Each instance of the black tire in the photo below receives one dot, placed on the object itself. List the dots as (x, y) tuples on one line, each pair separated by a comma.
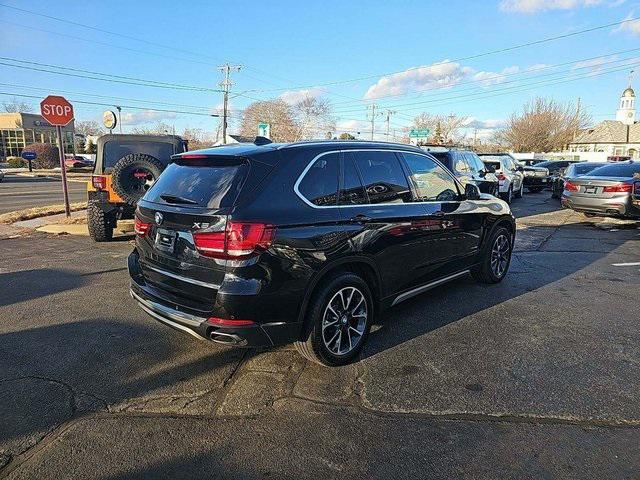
[(520, 193), (133, 174), (508, 197), (485, 272), (100, 224), (312, 345)]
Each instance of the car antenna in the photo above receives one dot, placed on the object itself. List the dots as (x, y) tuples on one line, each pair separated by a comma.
[(262, 141)]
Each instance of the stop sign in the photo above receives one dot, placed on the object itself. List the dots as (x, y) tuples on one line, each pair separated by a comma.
[(56, 110)]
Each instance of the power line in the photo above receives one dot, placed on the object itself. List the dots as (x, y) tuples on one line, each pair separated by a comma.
[(140, 81), (469, 57), (84, 102)]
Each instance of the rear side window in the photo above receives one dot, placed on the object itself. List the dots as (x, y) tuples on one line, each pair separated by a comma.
[(320, 184), (432, 181), (444, 158), (460, 165), (496, 165), (352, 191), (115, 150), (211, 183), (383, 177)]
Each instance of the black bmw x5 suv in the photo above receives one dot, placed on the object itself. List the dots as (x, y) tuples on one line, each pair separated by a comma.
[(259, 245)]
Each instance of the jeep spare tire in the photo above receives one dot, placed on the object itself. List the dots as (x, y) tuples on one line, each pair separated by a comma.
[(134, 174)]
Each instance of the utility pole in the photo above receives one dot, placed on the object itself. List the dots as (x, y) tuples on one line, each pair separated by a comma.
[(388, 115), (226, 86), (373, 107)]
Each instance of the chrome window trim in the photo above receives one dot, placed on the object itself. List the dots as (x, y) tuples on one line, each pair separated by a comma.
[(296, 186), (184, 279)]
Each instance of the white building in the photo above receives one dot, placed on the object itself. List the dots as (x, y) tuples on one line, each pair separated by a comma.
[(612, 137)]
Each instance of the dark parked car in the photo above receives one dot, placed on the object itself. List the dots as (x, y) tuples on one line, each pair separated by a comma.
[(572, 171), (536, 178), (555, 167), (259, 245), (467, 167)]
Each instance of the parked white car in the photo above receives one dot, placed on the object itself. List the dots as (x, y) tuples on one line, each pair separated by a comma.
[(509, 173)]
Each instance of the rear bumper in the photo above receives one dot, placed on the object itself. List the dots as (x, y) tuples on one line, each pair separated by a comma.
[(537, 182), (176, 317), (616, 206)]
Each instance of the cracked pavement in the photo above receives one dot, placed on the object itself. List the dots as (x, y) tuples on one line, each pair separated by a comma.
[(536, 377)]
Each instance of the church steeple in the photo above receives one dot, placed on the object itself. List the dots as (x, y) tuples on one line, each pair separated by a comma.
[(627, 111)]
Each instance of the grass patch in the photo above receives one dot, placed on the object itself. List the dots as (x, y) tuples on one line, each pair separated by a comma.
[(35, 212)]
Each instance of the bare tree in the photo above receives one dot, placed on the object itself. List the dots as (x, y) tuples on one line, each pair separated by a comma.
[(159, 128), (444, 128), (313, 116), (16, 106), (197, 138), (277, 113), (88, 127), (543, 125)]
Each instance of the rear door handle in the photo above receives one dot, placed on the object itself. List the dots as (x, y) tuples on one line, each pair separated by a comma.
[(361, 218)]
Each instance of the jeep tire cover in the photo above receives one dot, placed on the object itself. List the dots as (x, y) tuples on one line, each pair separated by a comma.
[(133, 175)]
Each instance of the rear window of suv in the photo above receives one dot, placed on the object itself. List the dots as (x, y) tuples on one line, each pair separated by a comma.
[(211, 183), (115, 150)]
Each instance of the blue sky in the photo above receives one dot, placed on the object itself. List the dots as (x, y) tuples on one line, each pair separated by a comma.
[(292, 49)]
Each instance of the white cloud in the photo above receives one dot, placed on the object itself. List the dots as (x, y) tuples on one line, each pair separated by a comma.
[(439, 75), (145, 116), (443, 74), (294, 96), (632, 27), (488, 124), (533, 6), (594, 65)]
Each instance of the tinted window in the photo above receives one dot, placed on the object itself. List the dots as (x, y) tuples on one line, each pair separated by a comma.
[(431, 180), (320, 183), (474, 162), (444, 158), (582, 169), (383, 177), (617, 170), (208, 183), (352, 192), (460, 165), (497, 166), (115, 150)]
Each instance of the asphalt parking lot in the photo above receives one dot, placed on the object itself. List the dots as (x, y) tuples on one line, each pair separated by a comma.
[(537, 377)]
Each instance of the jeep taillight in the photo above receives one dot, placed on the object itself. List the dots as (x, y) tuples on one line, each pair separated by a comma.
[(141, 228), (239, 240), (99, 182)]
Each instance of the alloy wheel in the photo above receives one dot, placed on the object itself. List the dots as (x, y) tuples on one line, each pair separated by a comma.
[(344, 321), (500, 253)]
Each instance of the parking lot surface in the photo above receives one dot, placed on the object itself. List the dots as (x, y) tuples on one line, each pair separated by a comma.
[(18, 193), (536, 377)]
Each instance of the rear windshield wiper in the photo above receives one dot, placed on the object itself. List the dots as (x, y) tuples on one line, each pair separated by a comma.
[(175, 199)]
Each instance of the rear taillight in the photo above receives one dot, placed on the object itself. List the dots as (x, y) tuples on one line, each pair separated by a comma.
[(619, 188), (225, 322), (141, 228), (500, 176), (99, 182), (572, 187), (239, 240)]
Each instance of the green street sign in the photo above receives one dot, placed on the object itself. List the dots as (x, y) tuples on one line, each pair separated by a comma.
[(419, 133)]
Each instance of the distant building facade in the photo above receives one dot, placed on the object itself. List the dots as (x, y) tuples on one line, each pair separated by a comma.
[(17, 130), (613, 137)]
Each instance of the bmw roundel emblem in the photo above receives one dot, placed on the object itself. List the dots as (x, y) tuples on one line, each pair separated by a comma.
[(158, 218)]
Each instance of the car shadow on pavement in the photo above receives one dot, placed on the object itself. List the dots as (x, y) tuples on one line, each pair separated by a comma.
[(27, 285), (529, 271)]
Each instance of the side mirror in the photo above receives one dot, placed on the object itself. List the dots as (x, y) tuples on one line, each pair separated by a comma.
[(471, 192)]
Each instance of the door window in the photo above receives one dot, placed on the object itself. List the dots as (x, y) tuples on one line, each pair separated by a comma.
[(383, 177), (460, 165), (320, 183), (352, 192), (432, 181)]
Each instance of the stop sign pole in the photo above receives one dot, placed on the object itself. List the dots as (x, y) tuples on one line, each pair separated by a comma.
[(59, 113)]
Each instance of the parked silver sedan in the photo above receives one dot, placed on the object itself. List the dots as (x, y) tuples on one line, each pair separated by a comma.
[(605, 191)]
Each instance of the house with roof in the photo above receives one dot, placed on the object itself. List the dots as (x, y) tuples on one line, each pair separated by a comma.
[(619, 137)]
